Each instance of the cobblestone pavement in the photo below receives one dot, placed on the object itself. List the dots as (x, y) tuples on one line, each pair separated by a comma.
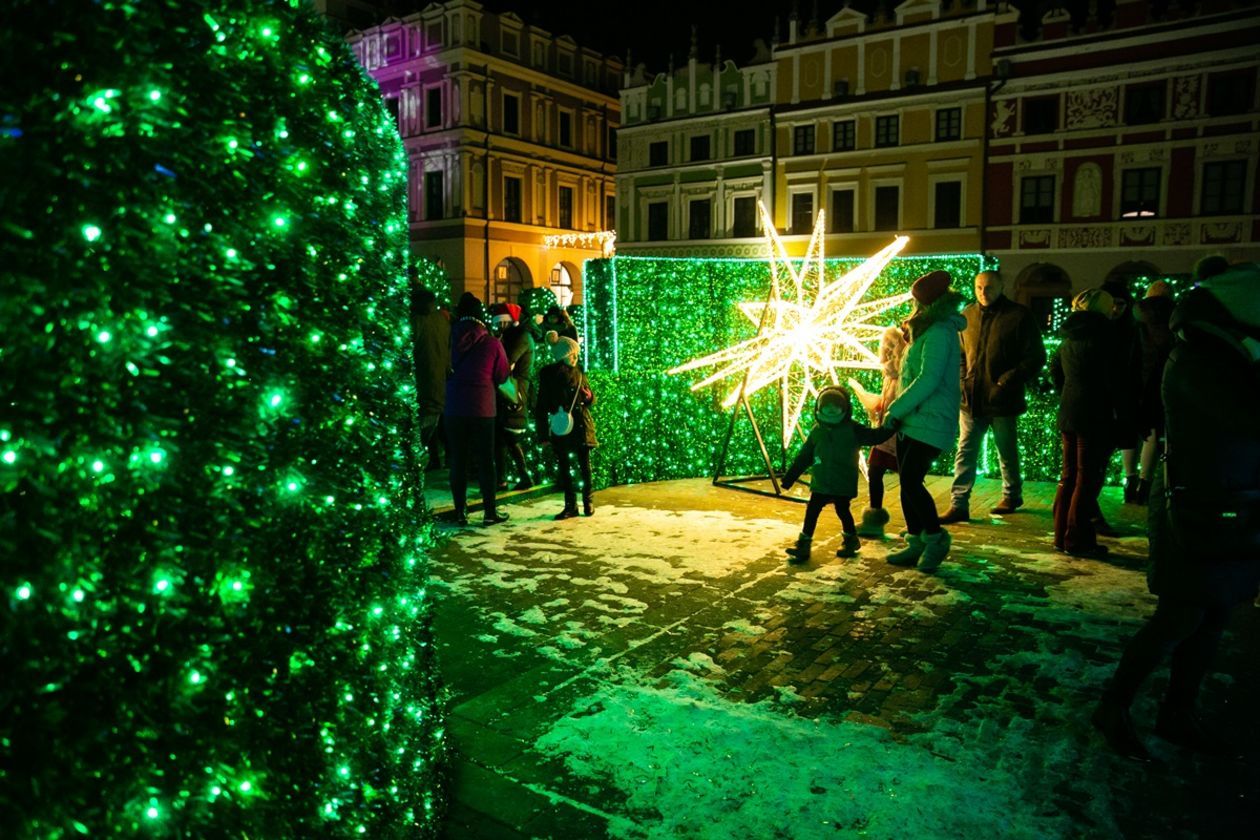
[(989, 668)]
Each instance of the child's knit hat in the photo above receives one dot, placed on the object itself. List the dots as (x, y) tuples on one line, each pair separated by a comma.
[(563, 347), (836, 395)]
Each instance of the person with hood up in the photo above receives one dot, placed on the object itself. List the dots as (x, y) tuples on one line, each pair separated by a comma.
[(563, 389), (1082, 373), (513, 407), (925, 413), (830, 455), (478, 367), (1204, 513), (557, 320)]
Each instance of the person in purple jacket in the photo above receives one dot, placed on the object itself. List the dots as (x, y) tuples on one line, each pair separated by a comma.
[(478, 367)]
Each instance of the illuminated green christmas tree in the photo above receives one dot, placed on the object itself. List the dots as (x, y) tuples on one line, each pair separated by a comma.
[(214, 620)]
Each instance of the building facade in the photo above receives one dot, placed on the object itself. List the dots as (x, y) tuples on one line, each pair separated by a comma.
[(694, 158), (842, 119), (1123, 140), (1125, 145), (510, 135)]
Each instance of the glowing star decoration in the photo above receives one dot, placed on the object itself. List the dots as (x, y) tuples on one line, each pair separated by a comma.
[(808, 329)]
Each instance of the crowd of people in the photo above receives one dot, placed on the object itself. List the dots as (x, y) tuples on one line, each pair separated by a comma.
[(1173, 385), (477, 392)]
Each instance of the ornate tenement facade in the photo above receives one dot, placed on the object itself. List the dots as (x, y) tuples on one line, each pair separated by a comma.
[(510, 135), (877, 121), (1128, 146)]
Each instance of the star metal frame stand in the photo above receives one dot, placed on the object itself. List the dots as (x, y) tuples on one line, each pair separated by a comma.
[(741, 482)]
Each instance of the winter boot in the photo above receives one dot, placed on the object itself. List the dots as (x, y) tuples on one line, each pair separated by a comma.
[(850, 546), (588, 506), (1131, 489), (799, 553), (570, 507), (1111, 718), (909, 555), (956, 513), (873, 522), (935, 548)]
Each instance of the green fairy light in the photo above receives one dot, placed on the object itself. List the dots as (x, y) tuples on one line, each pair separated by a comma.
[(203, 341)]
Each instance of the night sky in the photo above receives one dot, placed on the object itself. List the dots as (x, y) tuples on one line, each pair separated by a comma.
[(653, 29)]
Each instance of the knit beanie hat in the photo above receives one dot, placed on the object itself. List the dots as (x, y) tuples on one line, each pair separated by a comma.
[(833, 395), (563, 347), (928, 288), (1094, 300), (469, 306)]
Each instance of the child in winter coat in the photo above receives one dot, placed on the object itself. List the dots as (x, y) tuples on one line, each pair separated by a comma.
[(883, 459), (563, 388), (830, 454)]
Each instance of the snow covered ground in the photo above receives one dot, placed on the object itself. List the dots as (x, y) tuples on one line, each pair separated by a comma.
[(696, 686)]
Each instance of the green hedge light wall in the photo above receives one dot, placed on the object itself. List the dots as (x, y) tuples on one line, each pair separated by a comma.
[(644, 315), (214, 612)]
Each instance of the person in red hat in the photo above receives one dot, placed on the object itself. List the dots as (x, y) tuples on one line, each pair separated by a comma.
[(925, 413), (511, 419)]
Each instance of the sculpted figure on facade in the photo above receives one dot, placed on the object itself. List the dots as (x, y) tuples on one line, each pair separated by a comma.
[(1087, 191)]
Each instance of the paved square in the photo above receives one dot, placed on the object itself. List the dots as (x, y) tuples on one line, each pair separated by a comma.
[(658, 670)]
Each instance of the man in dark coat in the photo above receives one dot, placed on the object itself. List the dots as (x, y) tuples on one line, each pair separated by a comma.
[(1204, 514), (431, 346), (478, 367), (1002, 352)]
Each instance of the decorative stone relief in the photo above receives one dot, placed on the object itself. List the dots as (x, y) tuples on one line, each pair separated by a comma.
[(952, 50), (1085, 237), (1093, 108), (1003, 117), (1032, 239), (1176, 233), (1186, 97), (1220, 233), (1131, 235), (1087, 191), (1242, 147), (680, 100)]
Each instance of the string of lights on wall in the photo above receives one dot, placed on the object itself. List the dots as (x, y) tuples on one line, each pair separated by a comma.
[(604, 240), (216, 618)]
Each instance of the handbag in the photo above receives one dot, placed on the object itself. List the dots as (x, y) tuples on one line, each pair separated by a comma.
[(562, 421)]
